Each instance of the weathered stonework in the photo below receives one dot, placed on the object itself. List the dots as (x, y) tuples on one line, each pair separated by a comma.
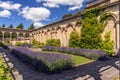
[(62, 29)]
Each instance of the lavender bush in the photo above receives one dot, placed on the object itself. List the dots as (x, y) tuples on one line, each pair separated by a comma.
[(46, 62), (89, 53)]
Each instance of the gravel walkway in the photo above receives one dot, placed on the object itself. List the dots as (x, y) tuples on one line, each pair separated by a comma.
[(98, 70)]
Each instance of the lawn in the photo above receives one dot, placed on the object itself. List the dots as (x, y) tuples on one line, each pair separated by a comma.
[(79, 60)]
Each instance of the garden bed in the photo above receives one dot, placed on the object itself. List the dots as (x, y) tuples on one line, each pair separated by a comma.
[(78, 60), (89, 53), (42, 61)]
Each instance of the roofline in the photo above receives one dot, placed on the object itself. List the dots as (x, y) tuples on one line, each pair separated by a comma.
[(15, 29), (75, 16)]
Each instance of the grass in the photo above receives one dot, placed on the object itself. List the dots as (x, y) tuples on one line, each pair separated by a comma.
[(79, 60)]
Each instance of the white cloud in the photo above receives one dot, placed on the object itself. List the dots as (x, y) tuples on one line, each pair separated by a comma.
[(5, 13), (74, 8), (35, 13), (8, 5), (73, 4), (38, 0), (38, 24), (51, 5)]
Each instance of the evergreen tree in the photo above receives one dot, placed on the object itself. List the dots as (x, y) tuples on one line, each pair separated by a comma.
[(74, 40), (66, 16), (3, 26), (31, 27), (11, 26), (107, 44), (20, 26)]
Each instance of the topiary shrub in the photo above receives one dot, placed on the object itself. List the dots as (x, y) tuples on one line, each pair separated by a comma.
[(37, 43)]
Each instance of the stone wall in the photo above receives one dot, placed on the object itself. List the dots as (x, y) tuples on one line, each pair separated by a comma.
[(62, 29)]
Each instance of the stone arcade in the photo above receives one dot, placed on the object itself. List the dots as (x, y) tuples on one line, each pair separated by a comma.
[(62, 29)]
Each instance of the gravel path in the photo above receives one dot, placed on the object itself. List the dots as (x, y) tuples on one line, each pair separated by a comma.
[(98, 70)]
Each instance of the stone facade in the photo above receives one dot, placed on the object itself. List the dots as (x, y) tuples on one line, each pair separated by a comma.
[(62, 29), (17, 32)]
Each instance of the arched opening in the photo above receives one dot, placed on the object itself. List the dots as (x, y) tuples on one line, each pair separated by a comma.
[(14, 36), (27, 35), (111, 26), (20, 34), (69, 29), (7, 36)]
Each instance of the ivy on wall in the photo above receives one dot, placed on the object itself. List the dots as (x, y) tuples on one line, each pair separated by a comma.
[(91, 31)]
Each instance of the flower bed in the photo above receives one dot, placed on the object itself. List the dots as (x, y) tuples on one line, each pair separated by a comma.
[(43, 61), (89, 53)]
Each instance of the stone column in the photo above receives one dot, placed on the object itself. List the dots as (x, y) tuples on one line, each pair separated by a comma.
[(118, 38), (3, 34), (17, 35), (23, 36), (10, 36), (30, 38)]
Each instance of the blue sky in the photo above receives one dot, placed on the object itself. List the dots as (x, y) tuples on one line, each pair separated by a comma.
[(38, 12)]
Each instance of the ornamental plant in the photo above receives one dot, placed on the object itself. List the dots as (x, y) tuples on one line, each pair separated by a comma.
[(46, 62), (89, 53), (53, 42), (74, 40), (107, 44)]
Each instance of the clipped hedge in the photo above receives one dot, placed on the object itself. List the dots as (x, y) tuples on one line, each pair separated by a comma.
[(45, 62), (89, 53)]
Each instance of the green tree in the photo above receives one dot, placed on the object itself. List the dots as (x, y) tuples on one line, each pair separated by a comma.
[(20, 26), (31, 27), (3, 26), (74, 40), (11, 26), (107, 44), (91, 33), (66, 16)]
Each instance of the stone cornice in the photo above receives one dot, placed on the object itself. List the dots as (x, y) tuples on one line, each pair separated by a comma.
[(75, 16)]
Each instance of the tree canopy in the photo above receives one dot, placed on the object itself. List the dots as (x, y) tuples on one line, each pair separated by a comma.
[(66, 16), (31, 27), (11, 26), (20, 26), (3, 26)]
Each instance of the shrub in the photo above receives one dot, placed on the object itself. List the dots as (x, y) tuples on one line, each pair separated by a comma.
[(18, 43), (89, 53), (108, 44), (4, 71), (46, 62), (53, 42), (74, 40), (1, 44), (37, 44)]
